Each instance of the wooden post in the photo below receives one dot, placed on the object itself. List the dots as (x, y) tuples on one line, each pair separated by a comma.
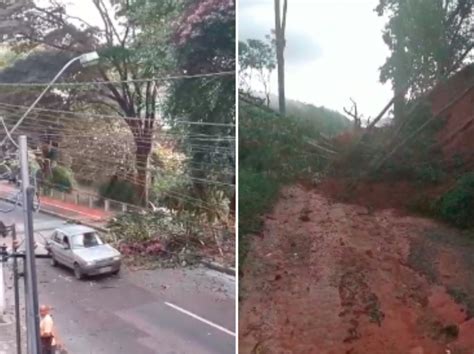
[(124, 207), (76, 198), (107, 205), (91, 202)]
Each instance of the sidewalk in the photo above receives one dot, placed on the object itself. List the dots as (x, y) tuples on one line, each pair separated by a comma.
[(93, 217), (7, 317)]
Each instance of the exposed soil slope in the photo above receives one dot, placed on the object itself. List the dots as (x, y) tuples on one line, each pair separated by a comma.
[(330, 278), (455, 138)]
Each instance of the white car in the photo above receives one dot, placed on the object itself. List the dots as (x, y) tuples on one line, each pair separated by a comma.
[(81, 249)]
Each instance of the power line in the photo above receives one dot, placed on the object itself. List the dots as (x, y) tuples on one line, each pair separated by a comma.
[(90, 115), (117, 163), (68, 141), (8, 133), (100, 83), (201, 180), (176, 195), (41, 126)]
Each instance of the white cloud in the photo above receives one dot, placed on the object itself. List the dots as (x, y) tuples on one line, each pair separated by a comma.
[(334, 50)]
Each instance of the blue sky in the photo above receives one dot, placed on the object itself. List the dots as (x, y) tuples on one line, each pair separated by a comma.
[(334, 50)]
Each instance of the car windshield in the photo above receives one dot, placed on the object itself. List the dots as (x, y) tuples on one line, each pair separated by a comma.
[(86, 240)]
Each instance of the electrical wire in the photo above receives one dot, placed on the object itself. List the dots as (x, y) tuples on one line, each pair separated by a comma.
[(89, 115), (8, 133), (35, 128), (57, 125), (101, 162), (120, 82)]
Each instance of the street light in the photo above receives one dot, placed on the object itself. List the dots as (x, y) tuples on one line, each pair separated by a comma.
[(31, 295), (86, 60)]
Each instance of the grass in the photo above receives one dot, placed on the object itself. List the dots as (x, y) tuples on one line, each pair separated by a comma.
[(272, 153)]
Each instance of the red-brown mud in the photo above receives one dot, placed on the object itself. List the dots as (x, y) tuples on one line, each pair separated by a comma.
[(332, 278)]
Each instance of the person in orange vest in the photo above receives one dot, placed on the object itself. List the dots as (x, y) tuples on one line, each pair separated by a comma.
[(49, 338)]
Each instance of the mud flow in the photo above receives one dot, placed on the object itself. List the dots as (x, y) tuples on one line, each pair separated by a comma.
[(331, 278)]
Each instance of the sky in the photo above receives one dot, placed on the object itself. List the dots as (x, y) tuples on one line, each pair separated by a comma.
[(84, 9), (334, 50)]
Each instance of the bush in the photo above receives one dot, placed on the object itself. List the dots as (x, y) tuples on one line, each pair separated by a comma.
[(135, 227), (120, 190), (256, 195), (273, 151), (457, 205), (171, 238), (62, 179), (429, 174)]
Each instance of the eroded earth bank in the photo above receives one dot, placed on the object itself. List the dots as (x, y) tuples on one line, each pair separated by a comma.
[(330, 278)]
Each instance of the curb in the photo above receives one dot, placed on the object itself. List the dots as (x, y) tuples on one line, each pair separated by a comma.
[(218, 267), (207, 263), (69, 219), (66, 218)]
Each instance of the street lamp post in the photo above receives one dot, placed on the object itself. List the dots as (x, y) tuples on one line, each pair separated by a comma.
[(86, 59), (31, 295)]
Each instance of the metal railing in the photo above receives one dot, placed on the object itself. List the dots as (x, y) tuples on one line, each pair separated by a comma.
[(90, 200)]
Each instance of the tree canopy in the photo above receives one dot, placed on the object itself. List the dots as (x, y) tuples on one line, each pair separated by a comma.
[(136, 40), (259, 56), (428, 40)]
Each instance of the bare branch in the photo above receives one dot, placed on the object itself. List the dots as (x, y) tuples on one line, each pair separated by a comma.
[(352, 112)]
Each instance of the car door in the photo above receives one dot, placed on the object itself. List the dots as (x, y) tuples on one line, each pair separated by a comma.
[(61, 251), (55, 246), (67, 254)]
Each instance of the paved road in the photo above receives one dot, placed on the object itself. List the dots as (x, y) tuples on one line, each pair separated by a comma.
[(154, 311)]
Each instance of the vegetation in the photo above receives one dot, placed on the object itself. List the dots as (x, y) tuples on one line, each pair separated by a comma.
[(147, 39), (61, 179), (170, 239), (160, 129), (120, 190), (274, 150), (256, 57), (428, 41), (457, 205)]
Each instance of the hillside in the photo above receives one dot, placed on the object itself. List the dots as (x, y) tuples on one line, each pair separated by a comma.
[(276, 150), (329, 122)]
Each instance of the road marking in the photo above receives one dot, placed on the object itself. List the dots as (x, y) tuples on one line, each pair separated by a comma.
[(220, 328)]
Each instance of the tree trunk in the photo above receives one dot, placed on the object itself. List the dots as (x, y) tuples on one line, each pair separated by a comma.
[(399, 108), (141, 163), (280, 49), (281, 81)]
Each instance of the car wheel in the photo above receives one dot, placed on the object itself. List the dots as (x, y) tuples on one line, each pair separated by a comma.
[(115, 272), (53, 261), (77, 272)]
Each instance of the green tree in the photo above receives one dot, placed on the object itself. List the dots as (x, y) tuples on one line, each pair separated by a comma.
[(123, 57), (428, 40), (205, 42), (257, 56)]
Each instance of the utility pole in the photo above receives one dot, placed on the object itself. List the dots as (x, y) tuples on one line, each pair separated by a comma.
[(17, 291), (31, 290), (280, 44)]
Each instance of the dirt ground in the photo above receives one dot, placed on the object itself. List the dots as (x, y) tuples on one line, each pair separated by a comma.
[(328, 278)]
